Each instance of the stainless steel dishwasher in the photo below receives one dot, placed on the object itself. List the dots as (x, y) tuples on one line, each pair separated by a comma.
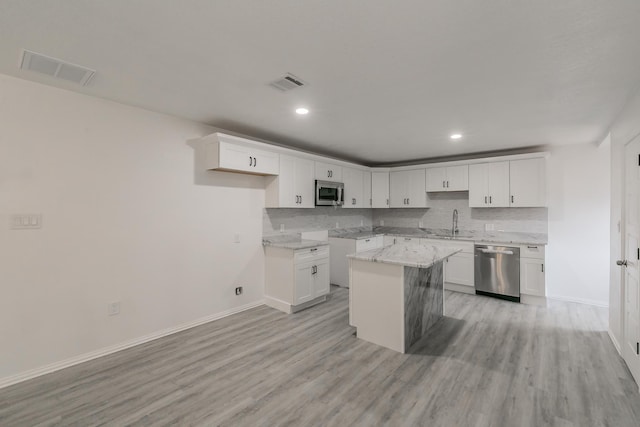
[(497, 271)]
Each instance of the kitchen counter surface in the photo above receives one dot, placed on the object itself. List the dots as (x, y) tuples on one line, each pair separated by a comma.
[(420, 256), (469, 236), (292, 241)]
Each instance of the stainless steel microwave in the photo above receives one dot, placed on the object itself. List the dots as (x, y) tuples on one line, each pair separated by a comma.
[(329, 193)]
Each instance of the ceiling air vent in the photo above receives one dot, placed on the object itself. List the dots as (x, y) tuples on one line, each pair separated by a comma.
[(57, 68), (288, 82)]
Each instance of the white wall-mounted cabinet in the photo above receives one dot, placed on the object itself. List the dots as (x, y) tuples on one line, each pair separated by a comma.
[(532, 276), (367, 195), (489, 185), (296, 279), (235, 156), (328, 172), (449, 178), (353, 180), (528, 184), (407, 189), (380, 189), (293, 187)]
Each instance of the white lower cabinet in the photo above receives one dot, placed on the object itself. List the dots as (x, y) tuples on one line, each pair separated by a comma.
[(296, 279), (340, 248), (388, 240), (532, 276), (458, 268)]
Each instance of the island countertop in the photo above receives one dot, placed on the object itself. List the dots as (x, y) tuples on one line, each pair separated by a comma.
[(420, 256)]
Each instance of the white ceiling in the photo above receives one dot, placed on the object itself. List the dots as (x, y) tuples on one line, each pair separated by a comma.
[(388, 80)]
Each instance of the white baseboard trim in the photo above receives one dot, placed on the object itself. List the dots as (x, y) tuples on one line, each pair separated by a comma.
[(579, 301), (278, 304), (56, 366), (615, 342)]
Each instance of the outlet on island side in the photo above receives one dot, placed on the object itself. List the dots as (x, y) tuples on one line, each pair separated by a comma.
[(113, 308), (239, 290)]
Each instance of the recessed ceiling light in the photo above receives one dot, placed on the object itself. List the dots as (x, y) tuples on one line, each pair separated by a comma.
[(302, 111), (455, 136)]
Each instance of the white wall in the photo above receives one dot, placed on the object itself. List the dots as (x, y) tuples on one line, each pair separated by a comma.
[(577, 257), (128, 217), (625, 128)]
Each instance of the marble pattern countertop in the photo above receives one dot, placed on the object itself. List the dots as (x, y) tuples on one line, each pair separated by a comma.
[(463, 235), (353, 233), (292, 241), (420, 256)]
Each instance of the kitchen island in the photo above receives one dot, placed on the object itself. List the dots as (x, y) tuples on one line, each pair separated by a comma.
[(396, 293)]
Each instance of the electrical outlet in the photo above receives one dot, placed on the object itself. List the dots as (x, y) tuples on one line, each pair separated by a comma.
[(489, 227), (236, 238), (239, 290), (113, 308), (26, 221)]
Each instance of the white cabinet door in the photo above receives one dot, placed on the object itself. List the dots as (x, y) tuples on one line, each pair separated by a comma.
[(380, 189), (328, 172), (528, 182), (398, 183), (489, 185), (478, 185), (457, 178), (532, 277), (287, 196), (436, 179), (459, 269), (320, 273), (353, 188), (417, 192), (304, 283), (304, 184), (498, 175), (388, 240), (243, 158), (367, 197)]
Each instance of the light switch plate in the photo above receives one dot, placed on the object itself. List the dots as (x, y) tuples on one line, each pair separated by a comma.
[(25, 221)]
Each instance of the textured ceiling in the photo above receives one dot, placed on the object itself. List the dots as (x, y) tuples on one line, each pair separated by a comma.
[(388, 81)]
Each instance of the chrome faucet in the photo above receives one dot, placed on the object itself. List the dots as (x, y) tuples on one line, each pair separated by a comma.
[(454, 223)]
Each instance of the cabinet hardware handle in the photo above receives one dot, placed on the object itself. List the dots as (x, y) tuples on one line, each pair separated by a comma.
[(250, 161), (542, 268), (442, 184), (485, 200), (328, 174), (387, 202), (367, 240), (255, 162), (532, 247), (447, 184), (512, 199), (313, 249), (490, 200), (638, 348), (300, 199), (408, 201)]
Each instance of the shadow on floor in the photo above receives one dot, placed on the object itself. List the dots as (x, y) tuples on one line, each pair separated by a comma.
[(438, 339)]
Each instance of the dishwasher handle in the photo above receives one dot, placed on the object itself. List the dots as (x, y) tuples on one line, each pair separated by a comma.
[(492, 251)]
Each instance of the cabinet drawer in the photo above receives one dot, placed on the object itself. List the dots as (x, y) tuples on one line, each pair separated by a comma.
[(532, 251), (459, 269), (369, 243), (312, 254)]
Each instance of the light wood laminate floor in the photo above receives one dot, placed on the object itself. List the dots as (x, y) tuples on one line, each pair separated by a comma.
[(488, 363)]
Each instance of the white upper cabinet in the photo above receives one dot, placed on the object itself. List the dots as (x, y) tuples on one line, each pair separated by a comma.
[(489, 185), (294, 187), (235, 156), (450, 178), (328, 172), (407, 189), (528, 182), (380, 189), (353, 180), (367, 196)]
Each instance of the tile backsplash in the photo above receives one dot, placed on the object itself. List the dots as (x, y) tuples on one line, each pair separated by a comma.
[(439, 215), (319, 218)]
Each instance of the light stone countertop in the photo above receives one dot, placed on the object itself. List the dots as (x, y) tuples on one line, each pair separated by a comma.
[(292, 241), (468, 236), (420, 256)]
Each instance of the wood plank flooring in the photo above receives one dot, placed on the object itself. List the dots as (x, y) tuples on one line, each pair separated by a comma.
[(488, 363)]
